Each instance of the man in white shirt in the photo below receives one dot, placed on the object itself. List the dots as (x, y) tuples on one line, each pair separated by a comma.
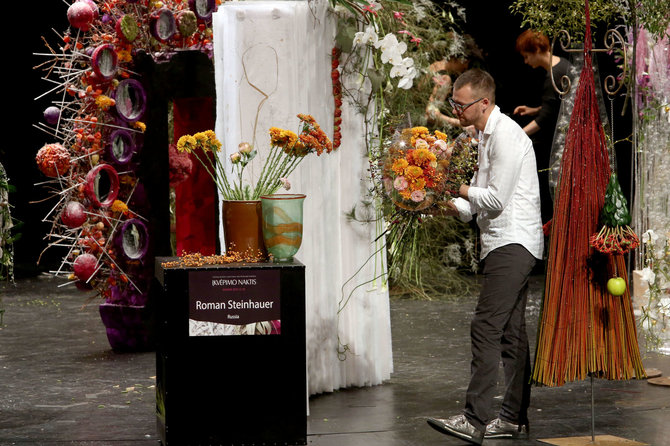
[(504, 194)]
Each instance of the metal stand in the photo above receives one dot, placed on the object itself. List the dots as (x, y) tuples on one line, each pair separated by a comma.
[(593, 414)]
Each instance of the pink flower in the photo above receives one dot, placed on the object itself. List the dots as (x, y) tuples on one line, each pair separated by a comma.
[(400, 183), (181, 166), (421, 144), (416, 40), (439, 147), (417, 196), (373, 7), (285, 183)]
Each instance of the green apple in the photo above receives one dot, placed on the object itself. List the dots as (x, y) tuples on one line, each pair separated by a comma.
[(616, 286)]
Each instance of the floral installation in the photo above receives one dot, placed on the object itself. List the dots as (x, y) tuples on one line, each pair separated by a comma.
[(655, 317), (386, 51), (95, 130), (287, 150)]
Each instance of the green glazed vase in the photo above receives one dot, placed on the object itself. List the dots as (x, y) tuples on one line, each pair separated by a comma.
[(282, 225)]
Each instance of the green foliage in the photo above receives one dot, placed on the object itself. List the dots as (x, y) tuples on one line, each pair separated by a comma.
[(615, 210), (7, 229), (654, 16), (551, 16)]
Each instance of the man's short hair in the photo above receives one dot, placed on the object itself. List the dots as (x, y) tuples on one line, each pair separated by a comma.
[(481, 83)]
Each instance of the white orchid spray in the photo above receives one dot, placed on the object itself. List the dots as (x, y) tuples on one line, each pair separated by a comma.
[(392, 51), (655, 310)]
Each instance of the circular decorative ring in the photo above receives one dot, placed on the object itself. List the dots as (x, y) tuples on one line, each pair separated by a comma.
[(163, 24), (104, 61), (102, 185), (134, 239), (121, 146), (131, 100), (203, 9)]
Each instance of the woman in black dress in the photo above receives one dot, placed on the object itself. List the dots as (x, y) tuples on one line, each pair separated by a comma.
[(535, 49)]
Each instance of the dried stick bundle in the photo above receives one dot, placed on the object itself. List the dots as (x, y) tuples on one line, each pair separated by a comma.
[(584, 331)]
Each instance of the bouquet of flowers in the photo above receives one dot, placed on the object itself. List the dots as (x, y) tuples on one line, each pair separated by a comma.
[(417, 173), (287, 150), (422, 169)]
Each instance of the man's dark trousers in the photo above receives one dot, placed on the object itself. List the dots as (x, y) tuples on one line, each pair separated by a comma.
[(498, 329)]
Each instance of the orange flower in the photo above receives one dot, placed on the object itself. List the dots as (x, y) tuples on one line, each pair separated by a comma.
[(119, 206), (399, 166), (413, 172), (423, 157), (282, 138)]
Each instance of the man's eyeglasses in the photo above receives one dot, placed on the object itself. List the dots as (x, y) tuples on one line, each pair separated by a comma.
[(460, 108)]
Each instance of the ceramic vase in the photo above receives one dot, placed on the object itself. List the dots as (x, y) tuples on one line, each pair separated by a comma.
[(242, 227)]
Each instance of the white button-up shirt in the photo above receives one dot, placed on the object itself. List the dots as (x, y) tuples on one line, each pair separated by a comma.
[(505, 191)]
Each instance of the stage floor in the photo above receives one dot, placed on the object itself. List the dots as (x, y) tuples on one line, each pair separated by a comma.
[(60, 383)]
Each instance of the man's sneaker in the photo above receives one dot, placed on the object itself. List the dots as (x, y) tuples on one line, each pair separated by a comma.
[(458, 426), (504, 429)]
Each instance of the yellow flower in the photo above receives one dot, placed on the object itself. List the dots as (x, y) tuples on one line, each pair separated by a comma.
[(213, 142), (418, 133), (201, 137), (104, 102), (440, 135), (413, 172), (142, 127), (186, 143), (399, 166)]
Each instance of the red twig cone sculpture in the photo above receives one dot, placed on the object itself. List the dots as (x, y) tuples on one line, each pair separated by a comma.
[(584, 331)]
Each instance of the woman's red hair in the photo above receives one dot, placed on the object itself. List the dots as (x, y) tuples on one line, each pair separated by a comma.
[(532, 42)]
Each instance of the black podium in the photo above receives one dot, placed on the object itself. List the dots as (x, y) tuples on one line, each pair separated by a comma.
[(219, 385)]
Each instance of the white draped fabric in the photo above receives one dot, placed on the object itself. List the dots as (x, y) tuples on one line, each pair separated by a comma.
[(272, 61)]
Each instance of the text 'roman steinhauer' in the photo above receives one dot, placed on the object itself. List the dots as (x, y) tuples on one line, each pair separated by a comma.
[(233, 305)]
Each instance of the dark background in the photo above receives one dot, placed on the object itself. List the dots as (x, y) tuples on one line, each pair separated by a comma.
[(491, 24)]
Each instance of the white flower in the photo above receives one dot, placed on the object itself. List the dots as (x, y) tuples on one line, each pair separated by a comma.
[(648, 275), (649, 236), (402, 69), (392, 50), (408, 79), (367, 36), (665, 306)]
